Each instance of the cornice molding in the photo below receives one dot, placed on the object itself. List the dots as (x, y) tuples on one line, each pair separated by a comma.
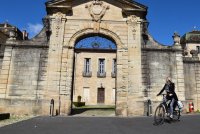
[(58, 6)]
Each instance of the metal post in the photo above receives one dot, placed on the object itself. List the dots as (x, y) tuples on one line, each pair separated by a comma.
[(52, 107), (149, 108)]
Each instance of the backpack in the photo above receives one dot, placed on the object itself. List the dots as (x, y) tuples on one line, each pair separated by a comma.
[(180, 105)]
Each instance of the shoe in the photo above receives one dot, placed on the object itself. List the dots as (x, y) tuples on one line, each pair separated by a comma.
[(168, 114), (171, 116)]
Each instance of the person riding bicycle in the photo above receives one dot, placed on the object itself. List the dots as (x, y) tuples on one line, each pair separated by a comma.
[(169, 87)]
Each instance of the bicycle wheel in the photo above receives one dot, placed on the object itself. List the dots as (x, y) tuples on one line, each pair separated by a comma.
[(159, 115), (176, 113)]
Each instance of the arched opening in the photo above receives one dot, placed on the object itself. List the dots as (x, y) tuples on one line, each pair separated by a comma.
[(94, 75)]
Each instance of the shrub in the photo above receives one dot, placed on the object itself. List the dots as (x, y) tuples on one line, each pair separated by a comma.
[(79, 104), (4, 116)]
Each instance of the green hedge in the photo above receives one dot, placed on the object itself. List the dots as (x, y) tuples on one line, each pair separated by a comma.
[(79, 104), (4, 116)]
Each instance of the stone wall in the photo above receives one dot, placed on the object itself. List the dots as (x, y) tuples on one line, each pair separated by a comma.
[(21, 106), (25, 71), (25, 76), (157, 64), (192, 83)]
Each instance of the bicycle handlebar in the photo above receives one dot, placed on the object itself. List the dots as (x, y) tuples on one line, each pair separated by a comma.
[(162, 94)]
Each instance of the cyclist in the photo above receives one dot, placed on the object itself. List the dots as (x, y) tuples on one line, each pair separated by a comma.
[(169, 88)]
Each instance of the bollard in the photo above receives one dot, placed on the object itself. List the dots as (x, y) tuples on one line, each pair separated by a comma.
[(52, 107), (149, 108), (57, 113)]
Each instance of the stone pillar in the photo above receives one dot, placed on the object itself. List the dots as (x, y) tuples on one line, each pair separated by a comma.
[(4, 74), (135, 98), (122, 82), (66, 79), (180, 87), (56, 70), (129, 72), (197, 94)]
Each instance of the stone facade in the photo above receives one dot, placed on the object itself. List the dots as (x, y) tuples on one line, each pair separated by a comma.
[(191, 48), (87, 86), (35, 71), (22, 75)]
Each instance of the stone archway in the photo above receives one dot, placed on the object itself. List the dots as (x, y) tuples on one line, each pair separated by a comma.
[(128, 63), (94, 75), (120, 104), (102, 31)]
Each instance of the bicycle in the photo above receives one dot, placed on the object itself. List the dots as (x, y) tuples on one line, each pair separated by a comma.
[(162, 111)]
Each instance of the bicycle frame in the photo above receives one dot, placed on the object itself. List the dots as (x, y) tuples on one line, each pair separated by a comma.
[(163, 109)]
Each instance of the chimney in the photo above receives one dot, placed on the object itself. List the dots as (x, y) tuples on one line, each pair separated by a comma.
[(25, 35), (5, 24)]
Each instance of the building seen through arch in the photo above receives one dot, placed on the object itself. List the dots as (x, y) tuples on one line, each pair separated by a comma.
[(95, 71)]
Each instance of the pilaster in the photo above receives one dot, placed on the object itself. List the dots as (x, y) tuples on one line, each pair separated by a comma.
[(134, 65), (56, 67), (122, 82), (180, 87), (197, 94), (4, 74)]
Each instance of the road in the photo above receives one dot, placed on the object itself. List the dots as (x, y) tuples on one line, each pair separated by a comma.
[(189, 124)]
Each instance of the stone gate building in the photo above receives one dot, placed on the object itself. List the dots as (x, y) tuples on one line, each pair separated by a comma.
[(35, 71)]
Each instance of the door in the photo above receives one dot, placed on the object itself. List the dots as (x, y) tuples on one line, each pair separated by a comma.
[(86, 94), (101, 96)]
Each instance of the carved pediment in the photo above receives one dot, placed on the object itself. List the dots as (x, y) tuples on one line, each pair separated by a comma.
[(65, 6), (54, 6)]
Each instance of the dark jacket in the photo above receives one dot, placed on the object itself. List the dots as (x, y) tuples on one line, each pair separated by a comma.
[(170, 89)]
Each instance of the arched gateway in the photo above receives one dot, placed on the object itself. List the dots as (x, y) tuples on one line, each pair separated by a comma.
[(95, 68), (96, 50), (113, 19)]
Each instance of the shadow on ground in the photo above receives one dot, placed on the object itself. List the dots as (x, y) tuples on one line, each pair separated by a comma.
[(93, 111)]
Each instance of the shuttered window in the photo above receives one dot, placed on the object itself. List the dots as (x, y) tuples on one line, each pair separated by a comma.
[(101, 66), (87, 65)]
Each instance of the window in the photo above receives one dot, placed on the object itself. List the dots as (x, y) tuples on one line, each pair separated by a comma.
[(198, 49), (114, 68), (87, 64), (101, 66), (101, 72)]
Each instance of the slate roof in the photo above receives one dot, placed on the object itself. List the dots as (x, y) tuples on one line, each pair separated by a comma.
[(191, 37)]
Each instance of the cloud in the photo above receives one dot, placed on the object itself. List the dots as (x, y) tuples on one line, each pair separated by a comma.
[(34, 29)]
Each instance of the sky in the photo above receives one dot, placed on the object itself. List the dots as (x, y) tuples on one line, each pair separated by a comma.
[(165, 16)]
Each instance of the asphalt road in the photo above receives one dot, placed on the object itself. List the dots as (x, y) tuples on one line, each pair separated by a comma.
[(189, 124)]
